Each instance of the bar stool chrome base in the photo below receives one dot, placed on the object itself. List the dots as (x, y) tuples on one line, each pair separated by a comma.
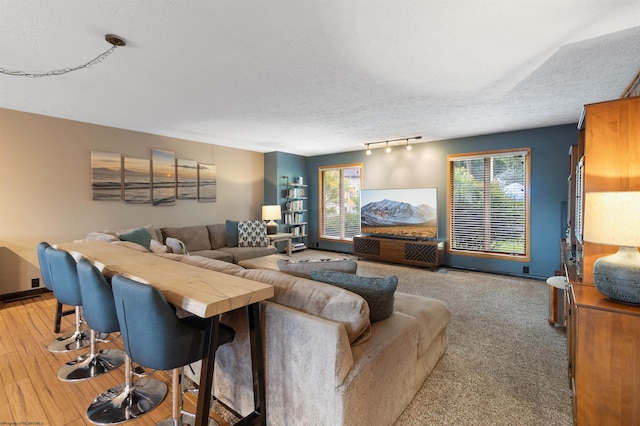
[(91, 365), (70, 342), (126, 402)]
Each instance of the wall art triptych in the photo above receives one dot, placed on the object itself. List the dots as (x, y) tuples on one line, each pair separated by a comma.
[(160, 181)]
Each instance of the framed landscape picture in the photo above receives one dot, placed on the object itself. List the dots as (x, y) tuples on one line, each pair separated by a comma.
[(187, 179), (207, 183), (106, 173), (163, 164), (137, 181)]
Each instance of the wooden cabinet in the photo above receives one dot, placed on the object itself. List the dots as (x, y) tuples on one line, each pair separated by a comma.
[(604, 352), (429, 253), (603, 337), (609, 141)]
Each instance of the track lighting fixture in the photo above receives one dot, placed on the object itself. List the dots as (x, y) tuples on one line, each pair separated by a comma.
[(391, 141)]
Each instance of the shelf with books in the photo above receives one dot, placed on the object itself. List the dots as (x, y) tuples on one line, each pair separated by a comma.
[(295, 211)]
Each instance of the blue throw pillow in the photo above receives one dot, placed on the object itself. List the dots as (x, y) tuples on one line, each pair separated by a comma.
[(231, 229), (139, 236), (378, 292)]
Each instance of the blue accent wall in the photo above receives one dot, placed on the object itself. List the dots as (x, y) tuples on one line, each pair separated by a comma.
[(426, 166), (276, 166)]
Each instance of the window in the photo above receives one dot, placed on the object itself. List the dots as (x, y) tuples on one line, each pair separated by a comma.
[(489, 204), (340, 203)]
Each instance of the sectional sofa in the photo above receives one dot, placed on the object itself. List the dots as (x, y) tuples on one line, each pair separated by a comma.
[(218, 241), (326, 361)]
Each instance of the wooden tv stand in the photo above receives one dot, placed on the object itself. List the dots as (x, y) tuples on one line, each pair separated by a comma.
[(429, 253)]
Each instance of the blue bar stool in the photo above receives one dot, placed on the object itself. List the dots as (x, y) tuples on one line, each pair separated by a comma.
[(46, 279), (100, 317), (64, 279), (123, 402), (155, 337)]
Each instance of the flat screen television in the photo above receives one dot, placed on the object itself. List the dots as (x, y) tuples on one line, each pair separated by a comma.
[(399, 213)]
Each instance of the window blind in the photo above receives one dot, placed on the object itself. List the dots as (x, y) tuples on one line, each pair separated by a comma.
[(488, 203), (340, 189)]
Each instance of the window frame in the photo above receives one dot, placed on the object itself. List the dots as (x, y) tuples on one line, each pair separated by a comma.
[(524, 257), (321, 170)]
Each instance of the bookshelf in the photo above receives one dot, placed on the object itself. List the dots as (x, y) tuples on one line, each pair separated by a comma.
[(295, 212)]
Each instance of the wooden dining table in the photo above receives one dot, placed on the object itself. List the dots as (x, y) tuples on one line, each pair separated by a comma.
[(200, 291)]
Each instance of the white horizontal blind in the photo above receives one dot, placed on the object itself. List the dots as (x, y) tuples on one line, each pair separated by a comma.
[(340, 201), (489, 203)]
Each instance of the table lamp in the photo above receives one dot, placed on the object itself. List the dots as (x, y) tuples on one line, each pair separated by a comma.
[(271, 213), (613, 218)]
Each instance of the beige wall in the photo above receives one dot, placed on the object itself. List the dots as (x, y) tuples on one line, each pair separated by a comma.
[(45, 179)]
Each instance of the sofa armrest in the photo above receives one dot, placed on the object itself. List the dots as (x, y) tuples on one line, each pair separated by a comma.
[(307, 358), (323, 343)]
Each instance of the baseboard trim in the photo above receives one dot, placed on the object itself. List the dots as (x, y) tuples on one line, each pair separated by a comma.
[(27, 294)]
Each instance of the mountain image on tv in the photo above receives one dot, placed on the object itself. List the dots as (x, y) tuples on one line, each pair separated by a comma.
[(398, 218)]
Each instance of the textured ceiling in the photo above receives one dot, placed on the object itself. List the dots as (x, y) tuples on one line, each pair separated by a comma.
[(313, 77)]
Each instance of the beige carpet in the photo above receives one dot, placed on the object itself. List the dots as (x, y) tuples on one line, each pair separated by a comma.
[(504, 365)]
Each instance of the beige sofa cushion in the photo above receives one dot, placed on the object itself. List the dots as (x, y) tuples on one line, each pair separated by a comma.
[(213, 254), (194, 237), (304, 268), (217, 235), (433, 316), (244, 253), (320, 299), (212, 264)]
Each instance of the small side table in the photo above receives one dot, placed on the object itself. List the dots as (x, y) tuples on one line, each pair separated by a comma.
[(281, 236), (557, 309)]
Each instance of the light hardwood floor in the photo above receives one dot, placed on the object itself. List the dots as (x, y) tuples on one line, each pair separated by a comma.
[(31, 393)]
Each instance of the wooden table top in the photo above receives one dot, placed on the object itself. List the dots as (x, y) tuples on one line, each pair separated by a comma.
[(25, 247), (197, 290)]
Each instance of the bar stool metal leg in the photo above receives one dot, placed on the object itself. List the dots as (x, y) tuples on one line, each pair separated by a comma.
[(92, 364), (71, 342), (60, 312), (127, 401), (180, 417)]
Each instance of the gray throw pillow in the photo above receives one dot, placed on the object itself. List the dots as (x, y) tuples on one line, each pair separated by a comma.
[(304, 268), (378, 292), (232, 233)]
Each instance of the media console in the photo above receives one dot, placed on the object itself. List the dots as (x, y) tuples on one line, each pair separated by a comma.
[(428, 252)]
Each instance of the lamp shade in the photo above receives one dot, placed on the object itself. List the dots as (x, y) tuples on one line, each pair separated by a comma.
[(612, 218), (271, 212)]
